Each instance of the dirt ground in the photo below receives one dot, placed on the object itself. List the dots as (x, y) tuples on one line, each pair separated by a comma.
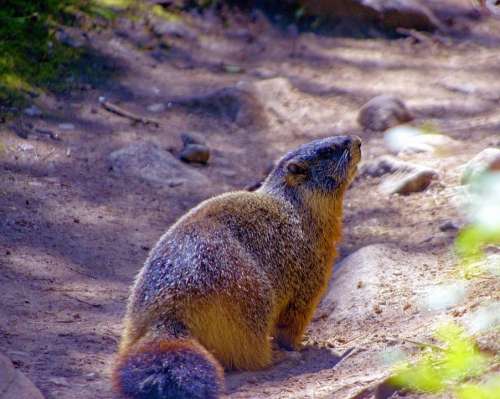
[(74, 233)]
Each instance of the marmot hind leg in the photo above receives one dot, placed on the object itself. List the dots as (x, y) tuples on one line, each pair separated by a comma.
[(237, 334), (293, 321)]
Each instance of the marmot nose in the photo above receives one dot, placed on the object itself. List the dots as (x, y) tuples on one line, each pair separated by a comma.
[(351, 142), (356, 141)]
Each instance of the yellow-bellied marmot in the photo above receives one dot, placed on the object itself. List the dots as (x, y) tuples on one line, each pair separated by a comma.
[(234, 272)]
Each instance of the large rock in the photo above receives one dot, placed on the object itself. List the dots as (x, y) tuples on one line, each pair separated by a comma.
[(363, 285), (409, 14), (383, 112), (14, 384), (487, 160), (150, 163)]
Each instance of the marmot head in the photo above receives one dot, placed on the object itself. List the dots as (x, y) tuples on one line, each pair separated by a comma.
[(322, 167)]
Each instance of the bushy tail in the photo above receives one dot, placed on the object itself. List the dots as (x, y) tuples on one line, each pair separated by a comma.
[(168, 369)]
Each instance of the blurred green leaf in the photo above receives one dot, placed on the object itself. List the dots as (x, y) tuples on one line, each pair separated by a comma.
[(438, 370)]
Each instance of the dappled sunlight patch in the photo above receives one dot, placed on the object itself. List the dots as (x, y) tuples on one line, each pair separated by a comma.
[(444, 296), (483, 319), (409, 139)]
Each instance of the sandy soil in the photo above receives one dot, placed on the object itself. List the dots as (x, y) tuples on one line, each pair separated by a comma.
[(73, 233)]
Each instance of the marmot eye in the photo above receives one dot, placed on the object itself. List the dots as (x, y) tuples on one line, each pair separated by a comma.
[(296, 168), (327, 152)]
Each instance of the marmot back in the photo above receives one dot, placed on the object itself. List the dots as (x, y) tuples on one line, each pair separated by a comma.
[(234, 272)]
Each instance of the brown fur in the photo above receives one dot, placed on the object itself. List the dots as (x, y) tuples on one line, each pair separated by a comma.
[(240, 270)]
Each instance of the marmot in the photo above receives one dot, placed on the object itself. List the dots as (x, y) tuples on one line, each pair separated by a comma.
[(235, 272)]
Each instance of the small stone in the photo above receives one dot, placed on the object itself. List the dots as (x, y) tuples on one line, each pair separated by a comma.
[(90, 376), (413, 182), (487, 160), (449, 225), (163, 27), (384, 165), (196, 153), (383, 112), (69, 40), (157, 107), (33, 111), (26, 147), (230, 68), (66, 126)]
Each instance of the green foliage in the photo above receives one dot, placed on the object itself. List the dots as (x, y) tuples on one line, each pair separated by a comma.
[(442, 369), (28, 53), (451, 368), (31, 57), (488, 390)]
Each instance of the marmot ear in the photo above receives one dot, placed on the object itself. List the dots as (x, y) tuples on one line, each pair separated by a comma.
[(296, 168)]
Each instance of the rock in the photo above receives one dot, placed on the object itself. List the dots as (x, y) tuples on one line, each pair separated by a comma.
[(410, 182), (409, 140), (150, 163), (384, 165), (449, 225), (408, 177), (14, 384), (33, 111), (69, 39), (487, 160), (162, 27), (349, 304), (198, 153), (409, 14), (383, 112), (66, 126), (194, 150)]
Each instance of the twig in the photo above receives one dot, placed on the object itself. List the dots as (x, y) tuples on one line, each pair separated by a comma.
[(49, 133), (348, 353), (415, 35), (47, 156), (418, 343), (115, 109), (94, 305), (82, 273)]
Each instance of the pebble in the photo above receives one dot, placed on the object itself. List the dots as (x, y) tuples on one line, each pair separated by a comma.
[(384, 165), (195, 153), (33, 111), (412, 182), (66, 126), (449, 225)]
